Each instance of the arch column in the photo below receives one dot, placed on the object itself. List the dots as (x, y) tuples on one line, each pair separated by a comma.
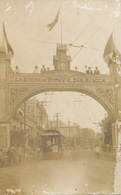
[(116, 128), (4, 99)]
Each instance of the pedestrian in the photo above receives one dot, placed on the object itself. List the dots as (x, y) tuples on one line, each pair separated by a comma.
[(19, 154), (96, 71), (43, 69), (97, 151), (38, 151), (89, 71), (10, 158), (14, 155), (1, 157)]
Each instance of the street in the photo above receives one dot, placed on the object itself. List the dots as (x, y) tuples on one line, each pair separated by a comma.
[(78, 172)]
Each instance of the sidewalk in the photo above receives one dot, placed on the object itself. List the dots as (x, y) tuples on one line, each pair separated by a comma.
[(111, 156)]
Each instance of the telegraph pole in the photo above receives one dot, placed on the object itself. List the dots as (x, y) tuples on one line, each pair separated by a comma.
[(57, 115), (69, 128), (48, 125), (42, 107), (24, 127)]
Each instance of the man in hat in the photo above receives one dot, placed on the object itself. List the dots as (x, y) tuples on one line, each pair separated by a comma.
[(43, 69), (36, 70), (89, 71), (96, 71)]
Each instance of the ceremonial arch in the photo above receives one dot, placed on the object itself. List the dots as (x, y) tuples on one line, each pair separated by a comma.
[(15, 88), (24, 86)]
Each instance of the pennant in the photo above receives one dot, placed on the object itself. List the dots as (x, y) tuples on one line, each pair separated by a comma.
[(8, 46), (52, 24), (110, 50)]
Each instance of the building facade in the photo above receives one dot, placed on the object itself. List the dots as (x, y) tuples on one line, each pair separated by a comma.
[(27, 124)]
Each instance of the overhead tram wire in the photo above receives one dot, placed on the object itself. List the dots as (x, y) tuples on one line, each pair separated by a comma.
[(108, 2), (80, 33), (83, 44), (39, 41), (91, 20), (88, 40)]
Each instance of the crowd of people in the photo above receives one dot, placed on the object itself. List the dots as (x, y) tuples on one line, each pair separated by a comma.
[(89, 70), (12, 156), (44, 69), (36, 70)]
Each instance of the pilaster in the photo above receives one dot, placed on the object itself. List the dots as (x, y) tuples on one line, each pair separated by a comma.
[(5, 62), (4, 135)]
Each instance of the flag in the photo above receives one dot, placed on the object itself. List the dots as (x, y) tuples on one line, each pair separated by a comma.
[(110, 50), (116, 58), (8, 46), (52, 24)]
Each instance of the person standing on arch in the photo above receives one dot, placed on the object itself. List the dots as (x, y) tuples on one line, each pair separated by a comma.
[(36, 70), (89, 71), (96, 71), (43, 69)]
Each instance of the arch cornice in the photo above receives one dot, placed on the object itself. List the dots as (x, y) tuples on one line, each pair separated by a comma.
[(99, 87)]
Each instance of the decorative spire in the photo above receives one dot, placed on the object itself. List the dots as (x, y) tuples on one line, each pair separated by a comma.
[(6, 47)]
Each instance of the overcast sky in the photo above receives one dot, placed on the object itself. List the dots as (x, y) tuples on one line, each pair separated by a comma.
[(75, 107), (84, 22)]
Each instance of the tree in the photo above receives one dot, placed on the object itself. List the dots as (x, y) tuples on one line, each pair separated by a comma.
[(106, 127)]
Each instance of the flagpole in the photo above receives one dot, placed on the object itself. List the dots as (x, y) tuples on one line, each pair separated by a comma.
[(61, 24), (114, 35), (61, 32)]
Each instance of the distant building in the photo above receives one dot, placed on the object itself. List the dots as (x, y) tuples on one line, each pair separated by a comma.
[(87, 138), (27, 124)]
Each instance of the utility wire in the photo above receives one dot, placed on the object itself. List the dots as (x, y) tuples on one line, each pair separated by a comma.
[(88, 39), (90, 21), (83, 30), (82, 46), (38, 40)]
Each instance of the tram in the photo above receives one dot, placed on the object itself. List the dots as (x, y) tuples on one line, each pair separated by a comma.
[(51, 144)]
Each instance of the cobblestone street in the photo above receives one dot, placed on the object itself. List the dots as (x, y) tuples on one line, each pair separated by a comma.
[(78, 172)]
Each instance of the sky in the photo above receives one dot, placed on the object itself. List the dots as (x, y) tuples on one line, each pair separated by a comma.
[(73, 108), (84, 22)]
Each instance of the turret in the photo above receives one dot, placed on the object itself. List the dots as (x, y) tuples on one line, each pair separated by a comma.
[(61, 60), (6, 53)]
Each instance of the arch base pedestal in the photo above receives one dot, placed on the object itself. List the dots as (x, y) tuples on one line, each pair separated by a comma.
[(4, 135)]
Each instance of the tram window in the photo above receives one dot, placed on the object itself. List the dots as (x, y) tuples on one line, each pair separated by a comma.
[(57, 140)]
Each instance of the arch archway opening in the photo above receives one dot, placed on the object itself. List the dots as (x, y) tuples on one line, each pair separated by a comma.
[(82, 91)]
